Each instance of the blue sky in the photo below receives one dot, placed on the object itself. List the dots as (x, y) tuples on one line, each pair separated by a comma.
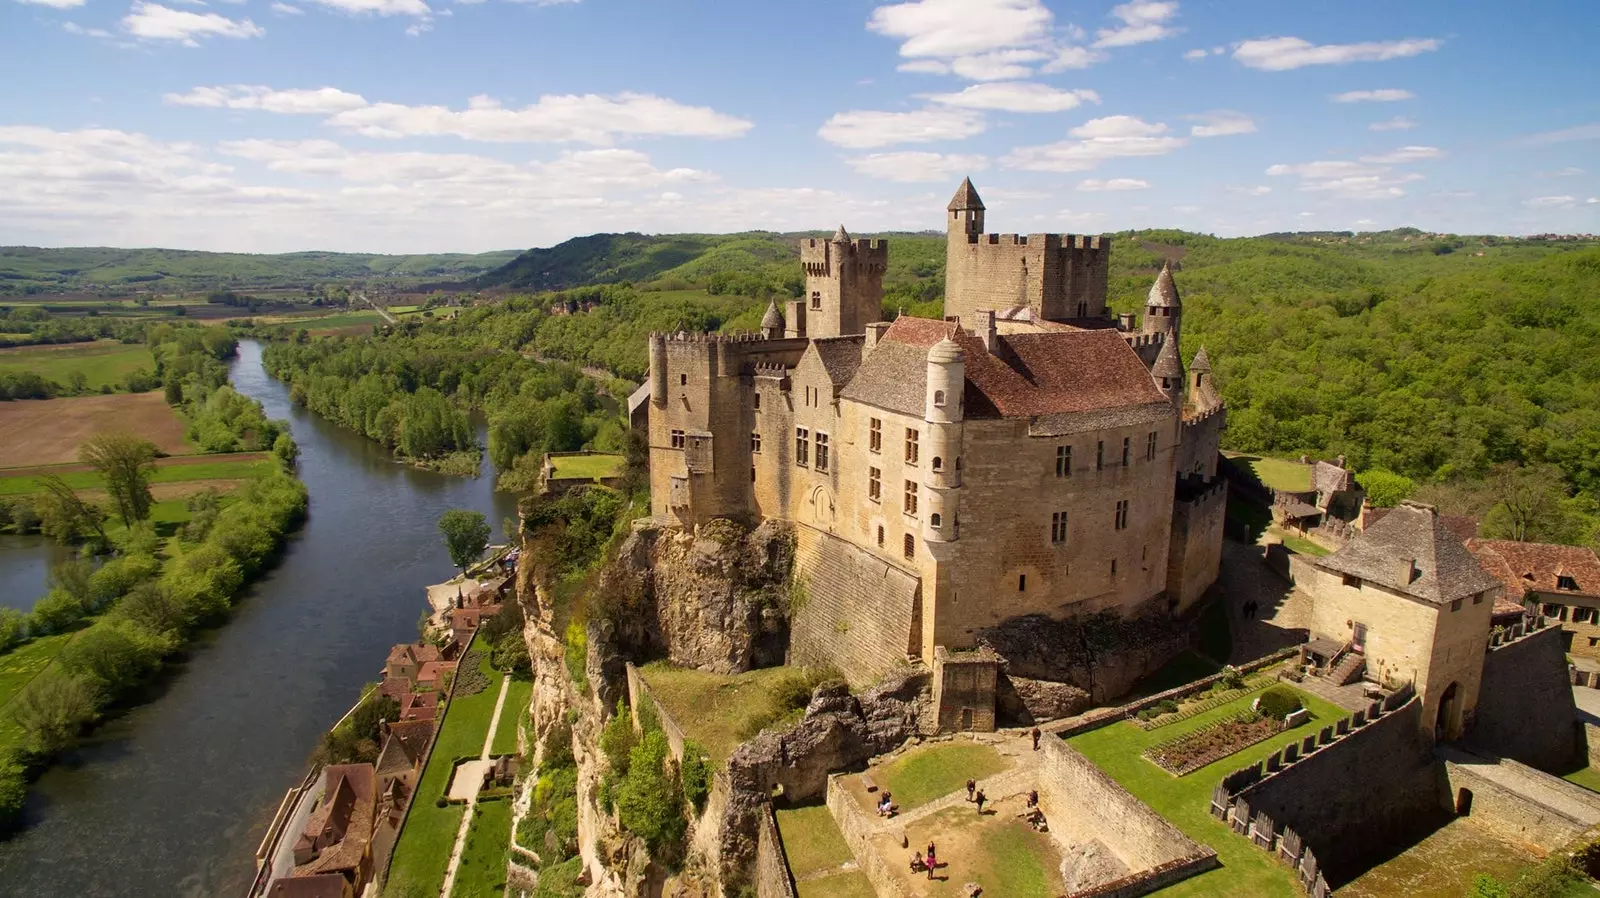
[(441, 125)]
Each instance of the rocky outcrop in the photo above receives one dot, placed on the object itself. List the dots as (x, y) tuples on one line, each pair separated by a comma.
[(1103, 654), (715, 598), (1024, 702), (839, 731)]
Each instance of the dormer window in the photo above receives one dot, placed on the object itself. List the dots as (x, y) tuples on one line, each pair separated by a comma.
[(1565, 582)]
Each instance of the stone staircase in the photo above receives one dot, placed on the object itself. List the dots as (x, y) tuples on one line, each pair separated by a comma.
[(1349, 668)]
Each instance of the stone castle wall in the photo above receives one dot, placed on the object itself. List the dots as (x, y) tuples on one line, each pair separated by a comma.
[(1525, 706), (857, 612), (1056, 275), (772, 865), (1517, 802), (1201, 442), (1195, 554)]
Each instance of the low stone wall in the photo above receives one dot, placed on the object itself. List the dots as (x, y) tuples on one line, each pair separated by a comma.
[(856, 828), (1158, 852), (1518, 802), (1525, 708), (638, 693), (773, 879), (1094, 720), (1591, 737)]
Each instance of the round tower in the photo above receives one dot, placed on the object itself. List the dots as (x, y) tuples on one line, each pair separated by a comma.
[(942, 413), (1168, 372), (772, 322), (658, 369), (1163, 310)]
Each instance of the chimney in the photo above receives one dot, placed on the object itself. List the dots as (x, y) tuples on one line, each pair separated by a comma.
[(874, 335), (1408, 571), (1125, 322), (985, 330), (795, 323)]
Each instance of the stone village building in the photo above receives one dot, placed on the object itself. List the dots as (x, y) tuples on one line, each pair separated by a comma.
[(1028, 455)]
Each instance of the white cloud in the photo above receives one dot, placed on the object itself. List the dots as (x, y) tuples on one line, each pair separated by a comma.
[(1099, 139), (1001, 65), (948, 28), (862, 129), (1581, 132), (1277, 54), (1404, 154), (1192, 55), (57, 4), (1016, 96), (917, 167), (1186, 210), (287, 10), (924, 67), (1593, 200), (320, 101), (1567, 172), (1251, 190), (1551, 202), (1383, 95), (1142, 22), (1072, 58), (1222, 124), (379, 7), (75, 28), (1095, 185), (151, 21), (1348, 180), (1398, 123)]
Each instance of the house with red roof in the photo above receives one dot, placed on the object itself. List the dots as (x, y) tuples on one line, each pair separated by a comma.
[(1560, 582)]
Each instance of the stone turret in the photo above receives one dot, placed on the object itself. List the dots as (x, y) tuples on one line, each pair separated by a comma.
[(966, 213), (943, 415), (844, 286), (1168, 371), (772, 322), (1163, 310)]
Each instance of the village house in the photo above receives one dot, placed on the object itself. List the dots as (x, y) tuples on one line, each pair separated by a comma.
[(324, 885), (419, 706), (337, 839), (1560, 582)]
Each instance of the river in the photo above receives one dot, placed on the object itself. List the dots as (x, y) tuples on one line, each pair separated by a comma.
[(171, 798)]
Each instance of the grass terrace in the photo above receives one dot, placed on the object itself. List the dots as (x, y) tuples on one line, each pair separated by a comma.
[(840, 885), (924, 774), (1296, 543), (720, 711), (587, 467), (519, 694), (1186, 801), (812, 841), (183, 469), (1275, 473), (483, 861), (103, 362)]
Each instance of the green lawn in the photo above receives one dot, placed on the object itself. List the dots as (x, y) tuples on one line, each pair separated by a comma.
[(1186, 801), (811, 840), (224, 468), (17, 668), (1020, 861), (102, 361), (483, 862), (713, 709), (840, 885), (1587, 777), (1185, 668), (1275, 473), (587, 467), (329, 322), (519, 694), (430, 832), (1300, 544), (923, 774)]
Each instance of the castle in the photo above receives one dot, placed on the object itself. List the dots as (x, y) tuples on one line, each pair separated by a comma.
[(1028, 455)]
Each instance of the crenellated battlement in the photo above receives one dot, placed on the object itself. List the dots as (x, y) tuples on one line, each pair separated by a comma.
[(1195, 493), (1049, 241), (1198, 418), (702, 337), (1141, 341), (771, 369)]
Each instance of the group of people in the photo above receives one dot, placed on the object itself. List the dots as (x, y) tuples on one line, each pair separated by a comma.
[(976, 794), (925, 862), (886, 805)]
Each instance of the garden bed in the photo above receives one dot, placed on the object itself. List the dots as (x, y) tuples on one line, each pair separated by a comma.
[(1194, 750), (1199, 705)]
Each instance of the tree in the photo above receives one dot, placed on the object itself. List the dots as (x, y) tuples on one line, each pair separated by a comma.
[(1529, 497), (13, 791), (51, 711), (466, 533), (65, 517), (13, 628), (650, 798), (1386, 489), (124, 461)]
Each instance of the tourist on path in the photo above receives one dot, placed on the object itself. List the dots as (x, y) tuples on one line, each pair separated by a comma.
[(1035, 735), (980, 799), (971, 784)]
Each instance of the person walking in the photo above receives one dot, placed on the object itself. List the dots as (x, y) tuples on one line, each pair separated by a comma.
[(980, 799), (971, 784), (1035, 735)]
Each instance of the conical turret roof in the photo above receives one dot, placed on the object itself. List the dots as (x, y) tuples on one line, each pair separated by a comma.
[(840, 236), (1201, 361), (966, 197), (1167, 363), (773, 318), (1164, 292), (946, 351)]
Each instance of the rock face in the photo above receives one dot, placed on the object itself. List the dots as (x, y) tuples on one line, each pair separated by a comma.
[(1023, 702), (713, 599), (1103, 655), (839, 731)]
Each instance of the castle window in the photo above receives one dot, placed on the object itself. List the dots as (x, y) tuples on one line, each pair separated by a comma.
[(1579, 615), (802, 446), (938, 398), (758, 402), (683, 380), (755, 442), (910, 547), (677, 439), (911, 446), (1022, 583), (911, 497), (1122, 515), (822, 452), (1100, 455), (875, 492), (1477, 599), (875, 435), (1150, 447), (1565, 582), (1456, 606), (1058, 527), (1063, 461), (1127, 451), (816, 299), (1352, 581), (1113, 567), (752, 473), (938, 464), (936, 520), (880, 536)]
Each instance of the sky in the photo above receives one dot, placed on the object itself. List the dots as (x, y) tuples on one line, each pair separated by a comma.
[(410, 126)]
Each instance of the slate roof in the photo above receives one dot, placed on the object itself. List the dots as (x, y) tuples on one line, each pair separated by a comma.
[(322, 885), (1412, 533), (1031, 375), (1164, 292), (1202, 362), (840, 357), (1327, 477), (773, 318), (966, 197), (1464, 527), (1530, 567), (1167, 362), (347, 808)]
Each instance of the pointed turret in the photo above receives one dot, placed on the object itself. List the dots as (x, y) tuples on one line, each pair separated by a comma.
[(1201, 363), (1164, 292), (1163, 311), (966, 198), (1168, 371), (841, 236), (772, 322)]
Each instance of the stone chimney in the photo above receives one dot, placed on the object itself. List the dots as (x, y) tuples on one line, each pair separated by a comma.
[(795, 323), (1125, 322), (874, 335), (1408, 571), (984, 329)]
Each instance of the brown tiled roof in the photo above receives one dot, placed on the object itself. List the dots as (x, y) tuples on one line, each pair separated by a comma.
[(413, 734), (1526, 567), (1164, 292), (1327, 477), (346, 811), (1202, 362), (966, 197), (1464, 527), (840, 357), (322, 885), (429, 673), (1412, 535), (1031, 375)]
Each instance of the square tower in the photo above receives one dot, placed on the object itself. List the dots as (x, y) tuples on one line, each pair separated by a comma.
[(844, 284)]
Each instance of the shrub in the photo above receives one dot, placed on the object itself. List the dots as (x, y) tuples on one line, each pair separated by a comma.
[(1167, 706), (617, 740), (650, 798), (1231, 679), (558, 746), (577, 654), (1279, 702), (13, 628), (13, 791), (696, 775)]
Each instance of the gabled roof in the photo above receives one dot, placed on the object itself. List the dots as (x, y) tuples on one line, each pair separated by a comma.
[(1030, 374), (966, 198), (1164, 292), (1412, 551), (1538, 567), (348, 803), (840, 356), (321, 885)]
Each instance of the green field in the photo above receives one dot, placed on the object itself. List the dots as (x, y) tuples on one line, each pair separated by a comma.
[(840, 885), (519, 693), (1300, 544), (924, 774), (713, 709), (103, 362), (17, 668), (811, 840), (1275, 473), (482, 873), (221, 469), (1186, 801), (587, 467)]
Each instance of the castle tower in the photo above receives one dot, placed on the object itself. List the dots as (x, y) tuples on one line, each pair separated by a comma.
[(1199, 376), (1168, 372), (942, 412), (844, 286), (772, 322), (966, 214), (658, 370), (1163, 310)]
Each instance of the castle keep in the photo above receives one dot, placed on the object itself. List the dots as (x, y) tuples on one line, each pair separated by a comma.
[(1025, 456)]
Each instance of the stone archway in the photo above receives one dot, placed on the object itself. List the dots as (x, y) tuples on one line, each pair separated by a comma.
[(1444, 727), (823, 512)]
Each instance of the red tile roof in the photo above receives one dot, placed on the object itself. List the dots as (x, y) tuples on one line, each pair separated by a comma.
[(1529, 567), (342, 824)]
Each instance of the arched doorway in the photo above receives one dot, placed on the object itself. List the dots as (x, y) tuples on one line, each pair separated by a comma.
[(1444, 724), (822, 510)]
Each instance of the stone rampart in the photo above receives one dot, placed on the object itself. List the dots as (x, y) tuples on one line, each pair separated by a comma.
[(639, 693), (1518, 802), (1094, 720), (773, 879), (857, 828), (1525, 708), (856, 612)]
